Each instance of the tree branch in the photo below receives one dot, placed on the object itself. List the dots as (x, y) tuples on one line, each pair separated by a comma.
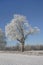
[(27, 35), (18, 40)]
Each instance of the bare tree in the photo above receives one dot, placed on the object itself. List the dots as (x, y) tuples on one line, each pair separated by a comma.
[(19, 29), (2, 40)]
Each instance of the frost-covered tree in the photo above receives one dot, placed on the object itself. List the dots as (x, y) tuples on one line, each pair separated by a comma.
[(19, 29), (2, 39)]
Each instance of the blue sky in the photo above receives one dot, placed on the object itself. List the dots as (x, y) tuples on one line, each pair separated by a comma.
[(32, 9)]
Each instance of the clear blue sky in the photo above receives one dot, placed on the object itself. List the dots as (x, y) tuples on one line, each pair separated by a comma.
[(32, 9)]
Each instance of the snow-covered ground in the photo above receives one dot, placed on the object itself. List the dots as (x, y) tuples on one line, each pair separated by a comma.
[(19, 59)]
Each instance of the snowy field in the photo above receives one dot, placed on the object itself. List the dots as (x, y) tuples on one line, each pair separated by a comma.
[(20, 59)]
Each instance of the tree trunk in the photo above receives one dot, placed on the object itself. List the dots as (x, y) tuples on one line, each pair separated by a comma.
[(22, 47)]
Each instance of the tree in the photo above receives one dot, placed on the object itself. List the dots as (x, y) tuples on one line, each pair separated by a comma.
[(2, 40), (19, 29)]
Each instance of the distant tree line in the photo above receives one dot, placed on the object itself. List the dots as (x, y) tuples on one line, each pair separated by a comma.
[(33, 47), (26, 48)]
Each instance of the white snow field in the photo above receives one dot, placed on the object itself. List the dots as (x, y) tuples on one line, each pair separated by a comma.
[(20, 59)]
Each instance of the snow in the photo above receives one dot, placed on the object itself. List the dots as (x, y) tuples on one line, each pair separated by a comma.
[(19, 59)]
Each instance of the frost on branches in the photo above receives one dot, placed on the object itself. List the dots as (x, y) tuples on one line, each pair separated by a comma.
[(19, 28)]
